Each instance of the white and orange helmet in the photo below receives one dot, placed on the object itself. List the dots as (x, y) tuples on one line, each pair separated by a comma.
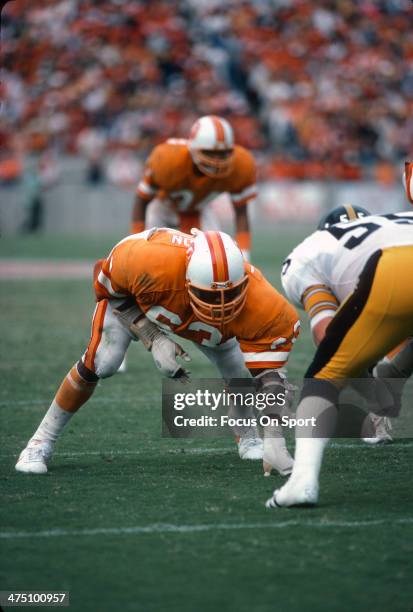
[(211, 144), (215, 277)]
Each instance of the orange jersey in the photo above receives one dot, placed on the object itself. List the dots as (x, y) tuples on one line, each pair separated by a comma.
[(171, 174), (151, 266)]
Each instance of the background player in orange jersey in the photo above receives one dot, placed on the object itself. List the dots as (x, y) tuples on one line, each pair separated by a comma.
[(182, 176), (197, 287)]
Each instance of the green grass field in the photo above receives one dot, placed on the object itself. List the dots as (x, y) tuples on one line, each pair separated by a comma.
[(126, 520)]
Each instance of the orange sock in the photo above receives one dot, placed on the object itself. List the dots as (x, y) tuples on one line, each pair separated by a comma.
[(74, 391)]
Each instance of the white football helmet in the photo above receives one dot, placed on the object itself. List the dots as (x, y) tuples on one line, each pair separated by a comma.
[(211, 144), (215, 277)]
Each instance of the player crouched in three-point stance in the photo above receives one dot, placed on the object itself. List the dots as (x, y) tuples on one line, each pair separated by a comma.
[(369, 260), (182, 176), (198, 287)]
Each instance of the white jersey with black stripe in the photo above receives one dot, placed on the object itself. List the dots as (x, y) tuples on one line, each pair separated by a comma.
[(336, 256)]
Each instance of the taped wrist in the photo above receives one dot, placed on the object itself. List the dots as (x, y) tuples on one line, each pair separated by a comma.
[(133, 318), (146, 331)]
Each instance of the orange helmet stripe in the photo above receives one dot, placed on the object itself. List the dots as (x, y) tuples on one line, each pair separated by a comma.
[(223, 257), (218, 257), (213, 256), (219, 128)]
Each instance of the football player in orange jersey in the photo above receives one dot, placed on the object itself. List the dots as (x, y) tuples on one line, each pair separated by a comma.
[(198, 287), (182, 176)]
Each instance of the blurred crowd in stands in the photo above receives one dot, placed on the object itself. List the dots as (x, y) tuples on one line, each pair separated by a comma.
[(315, 89)]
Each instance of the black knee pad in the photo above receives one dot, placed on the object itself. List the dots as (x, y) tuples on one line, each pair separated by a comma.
[(85, 373)]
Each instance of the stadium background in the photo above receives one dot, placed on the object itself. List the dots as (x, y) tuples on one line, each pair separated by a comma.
[(322, 94)]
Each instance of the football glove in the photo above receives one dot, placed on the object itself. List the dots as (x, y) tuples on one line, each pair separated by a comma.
[(165, 352)]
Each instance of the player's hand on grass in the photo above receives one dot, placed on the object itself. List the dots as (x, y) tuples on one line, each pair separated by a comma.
[(165, 353)]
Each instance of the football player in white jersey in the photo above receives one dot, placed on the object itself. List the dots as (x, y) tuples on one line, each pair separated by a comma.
[(361, 264), (304, 278)]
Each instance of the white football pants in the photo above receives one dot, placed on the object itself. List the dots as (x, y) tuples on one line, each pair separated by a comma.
[(110, 340)]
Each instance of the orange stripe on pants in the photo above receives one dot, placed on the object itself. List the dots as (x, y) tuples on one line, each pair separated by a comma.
[(97, 329)]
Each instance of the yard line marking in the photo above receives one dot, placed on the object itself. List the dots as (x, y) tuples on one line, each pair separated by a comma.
[(362, 445), (370, 446), (178, 451), (22, 269), (160, 528), (189, 451)]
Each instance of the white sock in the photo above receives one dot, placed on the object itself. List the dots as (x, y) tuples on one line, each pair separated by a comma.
[(309, 451), (308, 457), (52, 424)]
